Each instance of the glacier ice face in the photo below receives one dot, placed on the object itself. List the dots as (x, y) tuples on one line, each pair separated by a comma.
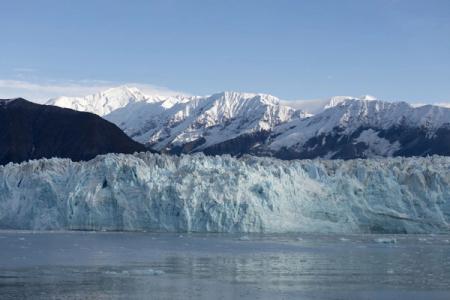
[(147, 191)]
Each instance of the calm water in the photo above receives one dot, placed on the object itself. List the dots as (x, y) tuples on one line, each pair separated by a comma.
[(82, 265)]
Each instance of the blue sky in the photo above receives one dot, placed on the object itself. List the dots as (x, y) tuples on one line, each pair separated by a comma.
[(396, 50)]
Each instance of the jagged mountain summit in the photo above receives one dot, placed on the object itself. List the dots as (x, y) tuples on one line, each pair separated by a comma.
[(248, 123), (33, 131), (227, 122), (315, 106), (364, 128)]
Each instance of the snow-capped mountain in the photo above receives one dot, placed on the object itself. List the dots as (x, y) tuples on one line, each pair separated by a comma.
[(103, 103), (315, 106), (239, 123), (350, 128), (212, 123)]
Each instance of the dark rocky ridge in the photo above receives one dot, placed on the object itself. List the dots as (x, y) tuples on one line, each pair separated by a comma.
[(238, 146), (33, 131), (413, 141)]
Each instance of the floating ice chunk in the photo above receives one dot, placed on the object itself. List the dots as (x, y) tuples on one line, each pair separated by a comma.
[(422, 239), (138, 272), (111, 273), (386, 240), (144, 272)]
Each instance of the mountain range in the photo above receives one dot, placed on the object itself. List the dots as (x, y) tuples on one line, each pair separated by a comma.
[(260, 124)]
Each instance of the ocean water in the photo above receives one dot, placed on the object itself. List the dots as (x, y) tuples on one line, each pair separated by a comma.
[(121, 265)]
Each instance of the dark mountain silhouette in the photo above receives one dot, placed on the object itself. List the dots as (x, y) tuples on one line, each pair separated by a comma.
[(32, 131)]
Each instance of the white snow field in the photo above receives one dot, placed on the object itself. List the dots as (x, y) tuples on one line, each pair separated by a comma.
[(201, 193)]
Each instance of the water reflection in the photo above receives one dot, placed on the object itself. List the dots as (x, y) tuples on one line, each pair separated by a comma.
[(164, 266)]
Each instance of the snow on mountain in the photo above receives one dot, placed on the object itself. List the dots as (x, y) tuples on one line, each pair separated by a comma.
[(345, 117), (186, 123), (351, 114), (136, 117), (441, 104), (315, 106), (239, 123), (103, 103), (339, 100), (201, 122), (224, 194)]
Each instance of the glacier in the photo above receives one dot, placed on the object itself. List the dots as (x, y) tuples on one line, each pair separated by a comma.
[(198, 193)]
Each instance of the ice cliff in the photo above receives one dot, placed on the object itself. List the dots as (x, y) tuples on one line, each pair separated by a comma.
[(223, 194)]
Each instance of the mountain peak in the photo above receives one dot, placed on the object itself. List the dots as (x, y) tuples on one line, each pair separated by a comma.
[(237, 96), (339, 100), (124, 91), (367, 98), (102, 103)]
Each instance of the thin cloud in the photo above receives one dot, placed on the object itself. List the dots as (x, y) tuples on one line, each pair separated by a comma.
[(312, 106), (315, 106), (40, 92), (442, 104), (24, 70)]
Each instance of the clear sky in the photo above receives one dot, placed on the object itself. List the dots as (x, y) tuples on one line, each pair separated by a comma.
[(393, 49)]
